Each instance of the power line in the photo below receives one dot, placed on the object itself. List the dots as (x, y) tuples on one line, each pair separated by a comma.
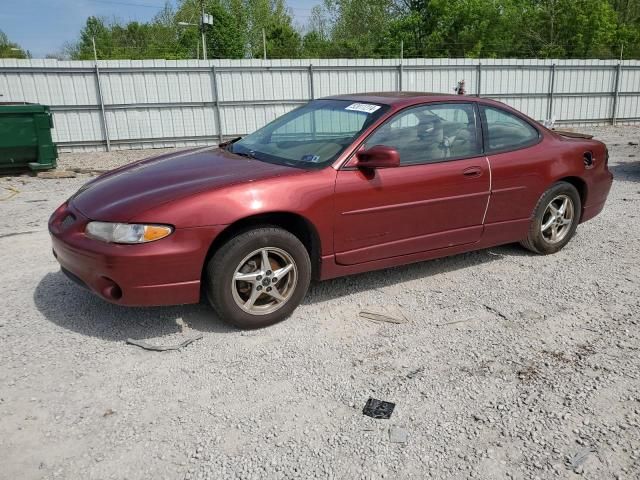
[(145, 5), (130, 4)]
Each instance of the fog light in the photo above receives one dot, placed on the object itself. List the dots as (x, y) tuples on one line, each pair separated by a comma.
[(111, 290)]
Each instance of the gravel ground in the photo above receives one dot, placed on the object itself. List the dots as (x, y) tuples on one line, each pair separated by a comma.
[(107, 161), (511, 365)]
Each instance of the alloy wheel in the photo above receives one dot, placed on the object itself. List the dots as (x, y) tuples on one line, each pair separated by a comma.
[(264, 281), (557, 219)]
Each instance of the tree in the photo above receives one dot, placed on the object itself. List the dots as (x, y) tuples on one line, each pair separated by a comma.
[(316, 42), (9, 49), (155, 39), (375, 28), (226, 38), (572, 28), (283, 41), (95, 28), (273, 17), (357, 26), (314, 45), (627, 38)]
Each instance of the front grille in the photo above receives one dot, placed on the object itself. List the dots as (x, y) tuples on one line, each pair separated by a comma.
[(67, 221)]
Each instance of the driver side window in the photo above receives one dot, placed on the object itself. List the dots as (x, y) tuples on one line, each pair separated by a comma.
[(431, 133)]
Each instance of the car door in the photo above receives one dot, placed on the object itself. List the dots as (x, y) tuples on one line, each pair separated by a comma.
[(436, 198), (512, 147)]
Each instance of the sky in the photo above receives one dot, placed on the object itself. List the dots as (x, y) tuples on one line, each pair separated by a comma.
[(43, 26)]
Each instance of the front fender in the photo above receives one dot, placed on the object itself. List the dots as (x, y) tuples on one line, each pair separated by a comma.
[(308, 194)]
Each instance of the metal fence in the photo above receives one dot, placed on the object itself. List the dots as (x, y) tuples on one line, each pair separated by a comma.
[(124, 104)]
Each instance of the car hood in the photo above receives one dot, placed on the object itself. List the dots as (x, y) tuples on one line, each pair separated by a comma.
[(126, 192)]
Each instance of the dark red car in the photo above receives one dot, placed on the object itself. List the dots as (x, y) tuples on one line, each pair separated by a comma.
[(342, 185)]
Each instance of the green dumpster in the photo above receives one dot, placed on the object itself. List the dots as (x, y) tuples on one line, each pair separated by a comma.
[(25, 137)]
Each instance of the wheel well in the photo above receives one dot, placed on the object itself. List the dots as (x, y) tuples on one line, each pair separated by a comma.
[(296, 224), (580, 185)]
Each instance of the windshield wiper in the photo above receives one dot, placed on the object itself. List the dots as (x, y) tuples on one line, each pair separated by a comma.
[(249, 154), (228, 142)]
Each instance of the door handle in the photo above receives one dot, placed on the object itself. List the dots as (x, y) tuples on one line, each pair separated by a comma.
[(472, 172)]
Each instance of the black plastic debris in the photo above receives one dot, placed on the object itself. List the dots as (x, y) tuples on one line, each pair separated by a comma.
[(378, 408), (163, 348)]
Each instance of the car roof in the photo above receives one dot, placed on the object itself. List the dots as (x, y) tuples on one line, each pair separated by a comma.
[(399, 100), (396, 98)]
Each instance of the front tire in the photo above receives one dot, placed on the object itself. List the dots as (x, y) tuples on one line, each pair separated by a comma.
[(554, 220), (258, 278)]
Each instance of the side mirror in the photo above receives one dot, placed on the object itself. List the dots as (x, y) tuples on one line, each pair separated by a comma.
[(378, 156)]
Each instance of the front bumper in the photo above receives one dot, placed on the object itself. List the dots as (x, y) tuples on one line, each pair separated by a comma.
[(165, 272)]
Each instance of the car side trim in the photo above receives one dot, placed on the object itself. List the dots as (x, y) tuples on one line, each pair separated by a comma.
[(418, 203), (444, 239)]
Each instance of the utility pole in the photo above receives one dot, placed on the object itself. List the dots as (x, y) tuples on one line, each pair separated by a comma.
[(95, 53), (204, 38), (100, 97), (264, 44)]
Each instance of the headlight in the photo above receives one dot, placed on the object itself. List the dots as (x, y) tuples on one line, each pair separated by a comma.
[(126, 232)]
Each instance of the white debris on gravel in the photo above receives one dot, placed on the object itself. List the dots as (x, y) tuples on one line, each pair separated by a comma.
[(510, 365)]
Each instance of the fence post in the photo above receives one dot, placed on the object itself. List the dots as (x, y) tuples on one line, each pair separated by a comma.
[(479, 79), (311, 92), (105, 127), (552, 84), (216, 101), (400, 70), (616, 94)]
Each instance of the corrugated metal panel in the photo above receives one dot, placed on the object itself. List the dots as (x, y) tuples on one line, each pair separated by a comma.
[(167, 102), (160, 123), (82, 125), (629, 107), (536, 108)]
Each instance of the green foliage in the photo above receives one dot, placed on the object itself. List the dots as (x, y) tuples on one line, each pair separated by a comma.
[(357, 26), (482, 28), (226, 38), (573, 28), (374, 29), (281, 37), (9, 49), (283, 41), (314, 45), (156, 39)]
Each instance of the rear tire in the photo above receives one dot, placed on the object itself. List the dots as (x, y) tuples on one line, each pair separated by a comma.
[(258, 278), (554, 220)]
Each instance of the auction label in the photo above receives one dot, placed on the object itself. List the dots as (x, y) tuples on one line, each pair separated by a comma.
[(363, 107)]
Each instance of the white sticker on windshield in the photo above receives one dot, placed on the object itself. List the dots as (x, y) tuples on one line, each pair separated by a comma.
[(363, 107)]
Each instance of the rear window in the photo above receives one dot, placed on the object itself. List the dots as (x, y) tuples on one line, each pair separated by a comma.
[(505, 131)]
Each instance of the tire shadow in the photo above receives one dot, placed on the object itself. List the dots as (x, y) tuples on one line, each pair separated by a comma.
[(71, 307), (626, 171), (353, 284)]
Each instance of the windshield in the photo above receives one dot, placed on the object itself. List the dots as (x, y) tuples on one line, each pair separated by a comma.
[(311, 136)]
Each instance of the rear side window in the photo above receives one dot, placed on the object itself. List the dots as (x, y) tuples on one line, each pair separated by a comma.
[(505, 131)]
